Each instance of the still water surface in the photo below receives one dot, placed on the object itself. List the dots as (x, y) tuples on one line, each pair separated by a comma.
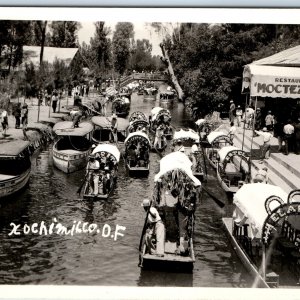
[(91, 259)]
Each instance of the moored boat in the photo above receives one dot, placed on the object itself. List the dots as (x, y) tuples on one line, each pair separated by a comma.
[(121, 105), (72, 146), (150, 93), (216, 141), (15, 167), (107, 157), (170, 245), (189, 141), (233, 168), (167, 97), (137, 147), (161, 116), (264, 231), (138, 125), (102, 129)]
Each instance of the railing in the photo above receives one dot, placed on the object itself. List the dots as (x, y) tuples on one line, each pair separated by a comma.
[(144, 76)]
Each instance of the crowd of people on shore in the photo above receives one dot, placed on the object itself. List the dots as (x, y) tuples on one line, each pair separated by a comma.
[(287, 132)]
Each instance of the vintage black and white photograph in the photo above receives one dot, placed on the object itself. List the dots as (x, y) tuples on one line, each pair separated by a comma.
[(149, 154)]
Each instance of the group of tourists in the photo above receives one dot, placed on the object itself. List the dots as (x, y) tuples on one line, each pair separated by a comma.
[(20, 112), (287, 133)]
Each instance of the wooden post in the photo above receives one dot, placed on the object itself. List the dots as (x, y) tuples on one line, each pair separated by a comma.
[(263, 262)]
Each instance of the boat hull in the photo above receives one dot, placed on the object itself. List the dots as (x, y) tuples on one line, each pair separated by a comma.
[(69, 163), (228, 224), (14, 184), (228, 189)]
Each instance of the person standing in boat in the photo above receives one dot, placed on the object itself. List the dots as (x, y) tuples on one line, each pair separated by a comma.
[(93, 167), (231, 111), (159, 135), (179, 146), (193, 157), (155, 230), (114, 129)]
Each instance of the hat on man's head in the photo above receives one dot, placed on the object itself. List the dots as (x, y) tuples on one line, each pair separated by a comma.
[(258, 108), (153, 215), (194, 149), (114, 116), (145, 203), (106, 168), (265, 129), (239, 106), (269, 112), (231, 101)]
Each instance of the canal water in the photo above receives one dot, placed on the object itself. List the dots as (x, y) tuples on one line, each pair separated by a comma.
[(104, 258)]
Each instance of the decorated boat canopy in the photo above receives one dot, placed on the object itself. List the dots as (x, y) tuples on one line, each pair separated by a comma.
[(13, 148), (137, 137), (185, 135), (216, 136), (176, 160), (66, 128), (250, 205), (121, 100), (105, 122), (137, 124), (163, 112), (137, 115), (227, 152), (108, 148)]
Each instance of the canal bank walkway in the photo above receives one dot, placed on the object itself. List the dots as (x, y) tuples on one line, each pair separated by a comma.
[(283, 170), (39, 128)]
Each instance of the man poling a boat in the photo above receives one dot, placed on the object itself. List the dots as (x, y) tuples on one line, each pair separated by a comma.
[(159, 137), (155, 233), (93, 168), (114, 129)]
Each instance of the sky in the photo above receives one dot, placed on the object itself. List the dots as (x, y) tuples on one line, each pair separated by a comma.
[(140, 29)]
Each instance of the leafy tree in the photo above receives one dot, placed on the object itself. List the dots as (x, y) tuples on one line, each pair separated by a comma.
[(64, 34), (141, 58), (122, 45)]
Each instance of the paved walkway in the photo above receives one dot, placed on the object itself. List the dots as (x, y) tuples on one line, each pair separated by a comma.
[(283, 170)]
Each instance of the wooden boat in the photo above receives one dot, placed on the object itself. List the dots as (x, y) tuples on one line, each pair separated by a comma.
[(108, 156), (150, 93), (140, 144), (176, 204), (190, 141), (121, 105), (15, 167), (161, 116), (102, 129), (233, 168), (167, 97), (72, 146), (264, 232), (216, 141)]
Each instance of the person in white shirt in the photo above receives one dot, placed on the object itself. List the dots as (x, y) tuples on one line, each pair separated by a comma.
[(288, 131), (93, 167), (4, 121), (239, 113), (232, 131), (265, 148)]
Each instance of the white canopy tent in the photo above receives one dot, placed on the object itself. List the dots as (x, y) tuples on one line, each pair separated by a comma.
[(186, 134), (137, 134), (176, 160), (250, 205), (112, 149), (214, 135)]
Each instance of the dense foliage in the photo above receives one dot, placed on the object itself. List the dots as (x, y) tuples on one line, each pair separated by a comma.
[(208, 59)]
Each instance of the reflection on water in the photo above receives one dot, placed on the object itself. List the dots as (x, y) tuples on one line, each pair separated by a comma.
[(94, 259)]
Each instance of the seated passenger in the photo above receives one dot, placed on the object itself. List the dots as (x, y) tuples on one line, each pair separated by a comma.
[(155, 231)]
